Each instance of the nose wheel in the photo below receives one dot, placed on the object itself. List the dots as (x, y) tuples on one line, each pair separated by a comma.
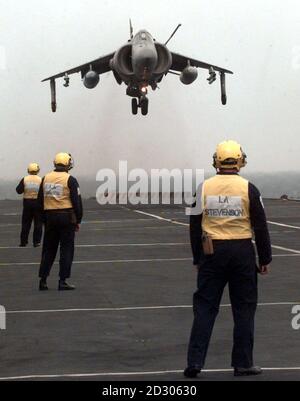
[(141, 103)]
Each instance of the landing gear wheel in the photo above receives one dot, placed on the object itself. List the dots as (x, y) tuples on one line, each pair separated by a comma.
[(145, 106), (135, 106)]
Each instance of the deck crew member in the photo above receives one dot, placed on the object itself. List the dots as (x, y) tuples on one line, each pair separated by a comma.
[(227, 212), (61, 202), (29, 187)]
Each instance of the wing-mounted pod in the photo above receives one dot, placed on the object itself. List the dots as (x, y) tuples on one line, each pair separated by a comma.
[(189, 74), (90, 78), (122, 64), (164, 60)]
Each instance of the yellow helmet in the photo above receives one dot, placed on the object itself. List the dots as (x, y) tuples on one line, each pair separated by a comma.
[(33, 168), (64, 160), (230, 155)]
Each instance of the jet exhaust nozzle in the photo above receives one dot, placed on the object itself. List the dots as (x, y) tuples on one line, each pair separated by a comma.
[(91, 80), (189, 75)]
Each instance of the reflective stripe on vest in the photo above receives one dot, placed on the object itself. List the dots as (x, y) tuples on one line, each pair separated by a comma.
[(56, 191), (226, 208), (32, 185)]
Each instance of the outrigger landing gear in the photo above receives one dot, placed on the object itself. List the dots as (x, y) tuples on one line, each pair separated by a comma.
[(142, 103)]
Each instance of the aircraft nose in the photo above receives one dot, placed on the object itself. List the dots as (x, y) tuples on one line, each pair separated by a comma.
[(144, 58), (149, 61), (148, 55)]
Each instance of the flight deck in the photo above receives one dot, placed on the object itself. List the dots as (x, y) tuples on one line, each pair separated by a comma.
[(131, 315)]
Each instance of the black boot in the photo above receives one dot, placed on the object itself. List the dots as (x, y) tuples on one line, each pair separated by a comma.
[(192, 372), (254, 371), (64, 286), (43, 285), (37, 245)]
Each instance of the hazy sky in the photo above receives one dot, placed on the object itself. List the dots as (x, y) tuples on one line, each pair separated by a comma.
[(258, 40)]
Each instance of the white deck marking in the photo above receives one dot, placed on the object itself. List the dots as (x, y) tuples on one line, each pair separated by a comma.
[(135, 229), (285, 255), (158, 244), (120, 261), (113, 221), (130, 374), (10, 225), (283, 225), (162, 218), (133, 308), (186, 224), (88, 262), (87, 222), (11, 214), (115, 245), (125, 309), (281, 248), (283, 231)]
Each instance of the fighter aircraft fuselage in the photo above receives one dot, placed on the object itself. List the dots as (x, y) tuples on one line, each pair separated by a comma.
[(141, 63), (144, 56)]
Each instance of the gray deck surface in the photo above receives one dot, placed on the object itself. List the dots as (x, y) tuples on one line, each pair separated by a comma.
[(131, 315)]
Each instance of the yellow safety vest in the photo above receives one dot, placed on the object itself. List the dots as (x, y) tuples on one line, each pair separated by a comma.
[(32, 185), (56, 191), (226, 208)]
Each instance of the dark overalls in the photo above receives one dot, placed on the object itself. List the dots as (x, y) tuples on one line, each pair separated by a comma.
[(31, 214), (233, 263), (59, 230), (60, 227)]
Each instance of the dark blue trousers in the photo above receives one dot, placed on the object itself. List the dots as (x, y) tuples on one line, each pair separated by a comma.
[(59, 230), (31, 213), (234, 264)]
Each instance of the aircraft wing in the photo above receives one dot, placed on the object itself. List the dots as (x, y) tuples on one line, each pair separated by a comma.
[(180, 62), (100, 65)]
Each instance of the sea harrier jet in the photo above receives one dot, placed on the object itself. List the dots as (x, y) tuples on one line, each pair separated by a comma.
[(141, 63)]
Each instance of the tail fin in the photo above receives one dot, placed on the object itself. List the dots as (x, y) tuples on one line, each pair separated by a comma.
[(131, 29)]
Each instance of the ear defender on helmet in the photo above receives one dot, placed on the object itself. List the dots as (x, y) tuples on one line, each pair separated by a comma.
[(215, 158), (243, 162), (71, 163), (64, 160)]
